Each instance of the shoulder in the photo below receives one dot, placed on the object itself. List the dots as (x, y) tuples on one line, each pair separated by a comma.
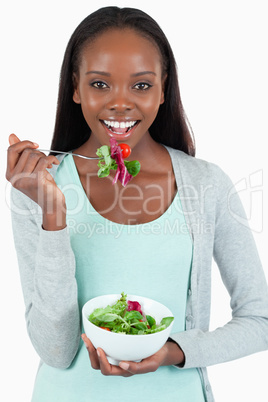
[(195, 170), (205, 188)]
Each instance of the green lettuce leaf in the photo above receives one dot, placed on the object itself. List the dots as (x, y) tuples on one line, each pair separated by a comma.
[(119, 320)]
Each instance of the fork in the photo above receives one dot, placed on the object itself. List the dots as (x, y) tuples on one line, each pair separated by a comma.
[(67, 153)]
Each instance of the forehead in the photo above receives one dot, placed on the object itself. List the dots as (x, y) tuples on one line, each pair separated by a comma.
[(117, 48)]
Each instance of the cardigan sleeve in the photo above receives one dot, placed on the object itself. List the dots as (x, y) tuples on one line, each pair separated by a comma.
[(47, 271), (237, 258)]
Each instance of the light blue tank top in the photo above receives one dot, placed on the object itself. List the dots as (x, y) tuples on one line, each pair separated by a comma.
[(152, 260)]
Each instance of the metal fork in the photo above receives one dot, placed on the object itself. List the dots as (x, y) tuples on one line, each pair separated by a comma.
[(67, 153)]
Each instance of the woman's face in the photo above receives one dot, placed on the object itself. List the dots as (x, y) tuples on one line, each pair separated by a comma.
[(120, 87)]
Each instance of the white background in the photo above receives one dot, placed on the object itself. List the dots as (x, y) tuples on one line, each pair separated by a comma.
[(221, 52)]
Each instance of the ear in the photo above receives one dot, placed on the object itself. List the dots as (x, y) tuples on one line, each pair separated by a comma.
[(76, 94), (162, 99)]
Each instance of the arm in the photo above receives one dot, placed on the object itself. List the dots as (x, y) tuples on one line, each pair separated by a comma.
[(237, 258), (46, 260), (47, 271)]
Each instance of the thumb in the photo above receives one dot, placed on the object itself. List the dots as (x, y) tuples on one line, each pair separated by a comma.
[(13, 139)]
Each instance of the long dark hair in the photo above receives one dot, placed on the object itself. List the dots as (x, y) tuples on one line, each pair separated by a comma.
[(170, 127)]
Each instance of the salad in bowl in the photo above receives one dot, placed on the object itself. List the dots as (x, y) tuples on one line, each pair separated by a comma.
[(127, 327)]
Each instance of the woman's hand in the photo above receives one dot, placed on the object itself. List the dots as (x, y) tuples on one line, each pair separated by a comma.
[(169, 354), (27, 172)]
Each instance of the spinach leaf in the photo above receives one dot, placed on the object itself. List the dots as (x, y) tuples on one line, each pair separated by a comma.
[(133, 167), (133, 315), (166, 321), (151, 320)]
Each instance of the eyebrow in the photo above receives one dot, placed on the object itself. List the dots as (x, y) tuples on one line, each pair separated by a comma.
[(99, 73), (143, 73), (108, 74)]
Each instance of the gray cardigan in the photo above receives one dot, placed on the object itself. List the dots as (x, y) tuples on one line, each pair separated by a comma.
[(216, 220)]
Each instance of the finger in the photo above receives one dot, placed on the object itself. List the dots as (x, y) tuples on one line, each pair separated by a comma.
[(105, 366), (148, 365), (31, 161), (94, 360), (15, 150), (13, 139), (109, 369), (25, 158), (38, 162)]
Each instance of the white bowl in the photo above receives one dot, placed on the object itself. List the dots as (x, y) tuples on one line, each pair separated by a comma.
[(127, 347)]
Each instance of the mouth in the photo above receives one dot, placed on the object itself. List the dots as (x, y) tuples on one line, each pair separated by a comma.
[(120, 128)]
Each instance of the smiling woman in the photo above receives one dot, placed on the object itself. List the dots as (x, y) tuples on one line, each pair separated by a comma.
[(128, 91), (155, 238)]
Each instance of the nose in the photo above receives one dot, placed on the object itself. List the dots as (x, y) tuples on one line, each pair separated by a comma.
[(120, 101)]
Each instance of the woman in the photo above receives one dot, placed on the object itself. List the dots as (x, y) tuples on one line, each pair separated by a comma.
[(119, 81)]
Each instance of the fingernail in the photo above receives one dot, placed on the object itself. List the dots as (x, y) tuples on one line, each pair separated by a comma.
[(35, 144), (98, 353), (124, 366), (83, 338)]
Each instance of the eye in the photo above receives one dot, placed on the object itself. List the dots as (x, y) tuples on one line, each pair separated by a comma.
[(142, 86), (99, 85)]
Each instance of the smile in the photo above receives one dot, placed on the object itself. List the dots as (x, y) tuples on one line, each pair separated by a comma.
[(120, 127)]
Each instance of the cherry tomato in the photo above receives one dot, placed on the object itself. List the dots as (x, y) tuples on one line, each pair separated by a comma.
[(126, 150), (106, 329)]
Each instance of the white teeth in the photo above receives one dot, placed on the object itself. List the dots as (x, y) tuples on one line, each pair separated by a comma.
[(122, 124)]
